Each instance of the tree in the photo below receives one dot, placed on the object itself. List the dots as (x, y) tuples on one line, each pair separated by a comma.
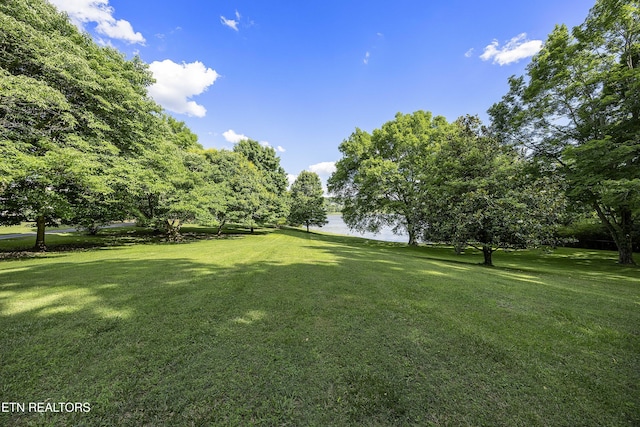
[(489, 196), (272, 204), (45, 189), (384, 178), (42, 181), (70, 113), (307, 201), (171, 183), (241, 191), (579, 110)]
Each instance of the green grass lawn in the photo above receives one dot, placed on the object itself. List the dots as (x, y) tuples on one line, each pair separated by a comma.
[(27, 227), (297, 329)]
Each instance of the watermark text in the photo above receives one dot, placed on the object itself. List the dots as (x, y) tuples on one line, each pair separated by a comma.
[(42, 407)]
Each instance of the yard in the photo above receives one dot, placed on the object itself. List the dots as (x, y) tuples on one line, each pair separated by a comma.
[(289, 328)]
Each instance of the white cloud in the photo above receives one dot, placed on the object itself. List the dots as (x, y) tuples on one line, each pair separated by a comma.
[(278, 148), (323, 168), (163, 36), (99, 11), (176, 83), (366, 58), (120, 30), (469, 53), (291, 178), (103, 42), (232, 136), (516, 49), (234, 24), (231, 23)]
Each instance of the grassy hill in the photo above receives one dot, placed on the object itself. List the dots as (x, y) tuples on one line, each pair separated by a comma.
[(290, 328)]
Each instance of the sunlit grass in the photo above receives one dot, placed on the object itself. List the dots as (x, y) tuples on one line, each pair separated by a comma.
[(26, 227), (289, 328)]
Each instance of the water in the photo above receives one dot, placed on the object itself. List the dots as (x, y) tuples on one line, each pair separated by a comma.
[(337, 226)]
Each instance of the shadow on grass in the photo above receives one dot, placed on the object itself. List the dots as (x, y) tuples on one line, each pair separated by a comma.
[(22, 247), (363, 335), (560, 261), (172, 342)]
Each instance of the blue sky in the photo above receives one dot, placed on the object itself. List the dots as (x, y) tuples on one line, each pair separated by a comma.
[(300, 76)]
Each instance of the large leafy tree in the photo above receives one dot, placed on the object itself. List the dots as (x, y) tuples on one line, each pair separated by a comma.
[(72, 116), (272, 202), (579, 110), (489, 196), (307, 201), (45, 166), (45, 189), (171, 184), (383, 178), (240, 190)]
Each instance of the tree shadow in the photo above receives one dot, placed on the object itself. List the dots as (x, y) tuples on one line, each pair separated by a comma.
[(520, 265), (334, 338), (130, 336)]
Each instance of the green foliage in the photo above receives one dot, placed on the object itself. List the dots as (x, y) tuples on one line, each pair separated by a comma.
[(382, 179), (332, 206), (81, 142), (242, 195), (488, 197), (266, 160), (579, 110), (272, 204), (73, 119), (182, 135), (307, 201), (170, 180)]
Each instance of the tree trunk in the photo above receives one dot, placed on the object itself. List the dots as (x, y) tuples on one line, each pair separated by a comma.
[(40, 223), (411, 231), (220, 227), (307, 222), (621, 233), (487, 251), (623, 240), (173, 230), (150, 204), (625, 250), (458, 247)]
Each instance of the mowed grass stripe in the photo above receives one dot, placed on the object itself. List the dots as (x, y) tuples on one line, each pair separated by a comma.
[(290, 328)]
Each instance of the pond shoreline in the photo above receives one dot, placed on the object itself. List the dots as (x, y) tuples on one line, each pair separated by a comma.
[(337, 226)]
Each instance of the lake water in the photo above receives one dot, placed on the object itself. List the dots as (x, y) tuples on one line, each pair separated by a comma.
[(336, 225)]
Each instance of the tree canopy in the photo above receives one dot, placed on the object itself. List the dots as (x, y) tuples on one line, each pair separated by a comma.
[(445, 182), (488, 196), (71, 114), (272, 205), (578, 110), (381, 179), (82, 143), (307, 201)]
